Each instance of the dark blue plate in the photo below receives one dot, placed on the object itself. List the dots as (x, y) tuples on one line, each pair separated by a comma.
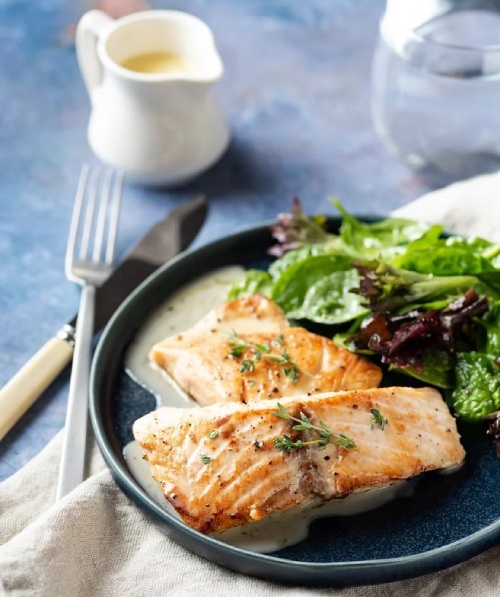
[(448, 520)]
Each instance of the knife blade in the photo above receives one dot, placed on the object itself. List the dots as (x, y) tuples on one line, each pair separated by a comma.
[(163, 241)]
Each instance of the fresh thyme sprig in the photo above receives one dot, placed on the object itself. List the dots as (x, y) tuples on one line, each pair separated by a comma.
[(262, 351), (326, 436), (378, 419)]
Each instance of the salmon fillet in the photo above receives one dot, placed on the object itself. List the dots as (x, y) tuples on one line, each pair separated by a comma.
[(200, 360), (219, 465)]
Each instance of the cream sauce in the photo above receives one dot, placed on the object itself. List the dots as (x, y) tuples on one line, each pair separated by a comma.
[(180, 312), (156, 62), (281, 529)]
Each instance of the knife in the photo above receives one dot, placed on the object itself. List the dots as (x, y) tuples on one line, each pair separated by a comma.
[(164, 240)]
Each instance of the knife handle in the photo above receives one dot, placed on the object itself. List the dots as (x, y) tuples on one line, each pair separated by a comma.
[(36, 375)]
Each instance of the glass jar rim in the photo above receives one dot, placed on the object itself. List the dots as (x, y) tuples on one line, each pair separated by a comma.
[(422, 39)]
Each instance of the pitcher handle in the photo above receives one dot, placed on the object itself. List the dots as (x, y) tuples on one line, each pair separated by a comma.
[(88, 31)]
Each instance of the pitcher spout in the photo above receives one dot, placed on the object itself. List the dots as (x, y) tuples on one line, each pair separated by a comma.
[(160, 45), (204, 66)]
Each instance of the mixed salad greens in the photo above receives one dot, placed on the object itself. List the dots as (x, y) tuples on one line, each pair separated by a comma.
[(421, 303)]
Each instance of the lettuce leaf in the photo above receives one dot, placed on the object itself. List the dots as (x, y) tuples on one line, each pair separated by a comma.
[(253, 282), (477, 391), (330, 300)]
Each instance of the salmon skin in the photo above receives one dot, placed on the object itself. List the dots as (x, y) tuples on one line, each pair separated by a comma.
[(219, 466), (203, 361)]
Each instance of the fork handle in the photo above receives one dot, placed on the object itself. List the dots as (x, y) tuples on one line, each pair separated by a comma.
[(71, 471)]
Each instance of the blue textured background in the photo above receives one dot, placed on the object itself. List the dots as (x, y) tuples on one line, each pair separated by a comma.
[(296, 94)]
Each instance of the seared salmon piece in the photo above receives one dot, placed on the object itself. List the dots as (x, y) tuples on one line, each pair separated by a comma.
[(220, 467), (208, 361)]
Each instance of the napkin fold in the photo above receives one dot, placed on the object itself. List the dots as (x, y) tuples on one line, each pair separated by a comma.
[(97, 542)]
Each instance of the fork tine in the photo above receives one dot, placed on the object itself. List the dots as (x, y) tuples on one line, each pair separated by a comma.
[(94, 226), (89, 214), (101, 217), (75, 218), (114, 217)]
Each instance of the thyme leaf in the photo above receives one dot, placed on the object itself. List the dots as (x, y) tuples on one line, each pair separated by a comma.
[(292, 373), (247, 365), (261, 351), (213, 434), (278, 341), (205, 459), (378, 419), (326, 436)]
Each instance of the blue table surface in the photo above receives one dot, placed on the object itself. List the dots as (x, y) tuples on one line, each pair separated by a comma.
[(296, 94)]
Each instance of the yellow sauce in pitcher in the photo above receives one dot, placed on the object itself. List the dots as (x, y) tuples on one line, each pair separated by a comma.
[(156, 62)]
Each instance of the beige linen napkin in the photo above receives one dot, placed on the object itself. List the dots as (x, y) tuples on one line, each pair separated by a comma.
[(96, 542)]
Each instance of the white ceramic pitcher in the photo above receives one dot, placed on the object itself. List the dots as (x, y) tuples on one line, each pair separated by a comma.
[(160, 128)]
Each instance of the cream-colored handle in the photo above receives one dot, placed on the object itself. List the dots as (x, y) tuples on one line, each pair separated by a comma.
[(28, 384)]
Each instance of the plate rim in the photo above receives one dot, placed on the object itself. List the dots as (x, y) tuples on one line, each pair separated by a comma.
[(332, 574)]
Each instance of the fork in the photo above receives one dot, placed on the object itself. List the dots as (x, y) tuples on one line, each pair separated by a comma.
[(89, 259)]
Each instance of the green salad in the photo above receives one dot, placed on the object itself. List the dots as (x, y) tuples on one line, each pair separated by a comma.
[(402, 293)]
